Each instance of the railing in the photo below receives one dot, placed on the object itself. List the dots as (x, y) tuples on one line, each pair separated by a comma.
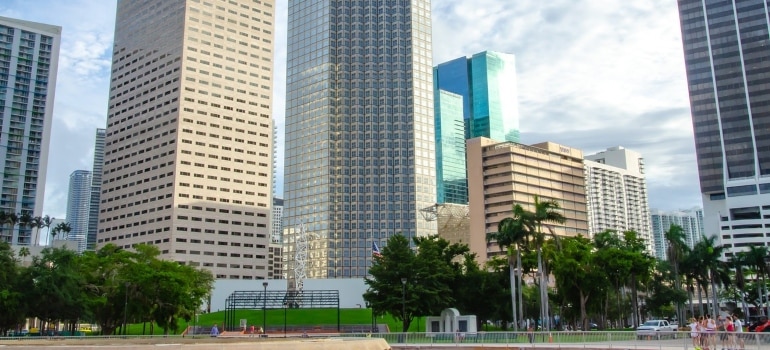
[(579, 339), (625, 340)]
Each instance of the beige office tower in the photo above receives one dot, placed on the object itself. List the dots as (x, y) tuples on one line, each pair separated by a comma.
[(501, 174), (187, 163)]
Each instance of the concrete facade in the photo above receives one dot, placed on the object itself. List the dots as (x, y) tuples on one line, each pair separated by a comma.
[(616, 190), (501, 174), (187, 164)]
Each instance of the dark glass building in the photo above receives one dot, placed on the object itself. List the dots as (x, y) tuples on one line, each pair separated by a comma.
[(360, 147), (728, 72)]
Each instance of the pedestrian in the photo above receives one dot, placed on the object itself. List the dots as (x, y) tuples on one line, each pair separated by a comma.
[(214, 331), (251, 331), (738, 330), (694, 334)]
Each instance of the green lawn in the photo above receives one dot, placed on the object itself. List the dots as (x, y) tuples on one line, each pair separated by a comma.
[(294, 317)]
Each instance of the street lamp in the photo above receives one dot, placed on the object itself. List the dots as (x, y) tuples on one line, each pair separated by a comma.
[(264, 309)]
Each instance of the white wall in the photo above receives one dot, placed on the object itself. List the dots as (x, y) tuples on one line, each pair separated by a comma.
[(351, 290)]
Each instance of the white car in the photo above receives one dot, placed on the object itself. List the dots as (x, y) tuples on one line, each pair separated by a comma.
[(656, 328)]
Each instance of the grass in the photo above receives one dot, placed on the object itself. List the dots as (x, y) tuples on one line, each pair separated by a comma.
[(294, 317)]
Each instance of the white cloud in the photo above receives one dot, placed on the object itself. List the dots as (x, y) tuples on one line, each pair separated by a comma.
[(592, 74)]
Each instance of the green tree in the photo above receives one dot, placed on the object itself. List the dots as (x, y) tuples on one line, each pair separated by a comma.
[(676, 249), (577, 272), (11, 298), (56, 286), (756, 259), (106, 272), (712, 268), (423, 278)]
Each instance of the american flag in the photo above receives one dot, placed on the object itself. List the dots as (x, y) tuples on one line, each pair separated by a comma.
[(376, 250)]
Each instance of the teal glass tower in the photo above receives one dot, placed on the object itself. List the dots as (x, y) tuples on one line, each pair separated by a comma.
[(452, 186), (487, 84), (473, 97)]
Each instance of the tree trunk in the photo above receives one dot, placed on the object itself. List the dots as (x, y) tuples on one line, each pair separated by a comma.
[(512, 276), (715, 300), (700, 299), (543, 295), (519, 274)]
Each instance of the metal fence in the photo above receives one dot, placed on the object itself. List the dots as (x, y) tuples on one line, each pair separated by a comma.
[(593, 339), (622, 340)]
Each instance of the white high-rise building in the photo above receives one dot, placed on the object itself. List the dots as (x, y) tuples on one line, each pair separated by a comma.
[(29, 56), (276, 228), (616, 191), (78, 207), (690, 220), (187, 155)]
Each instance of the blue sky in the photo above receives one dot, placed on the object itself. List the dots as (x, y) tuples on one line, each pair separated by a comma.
[(592, 74)]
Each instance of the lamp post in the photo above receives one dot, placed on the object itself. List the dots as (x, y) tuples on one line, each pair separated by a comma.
[(264, 309)]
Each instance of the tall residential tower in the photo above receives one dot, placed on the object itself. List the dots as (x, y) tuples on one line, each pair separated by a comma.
[(187, 155), (29, 56), (78, 207), (727, 56), (360, 154), (616, 191), (96, 189)]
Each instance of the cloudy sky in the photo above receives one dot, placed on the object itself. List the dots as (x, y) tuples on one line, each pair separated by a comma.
[(591, 74)]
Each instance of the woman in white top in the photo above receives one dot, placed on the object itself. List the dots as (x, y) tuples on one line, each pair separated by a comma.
[(694, 332)]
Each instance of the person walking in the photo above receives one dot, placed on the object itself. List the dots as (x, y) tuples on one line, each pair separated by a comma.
[(738, 333), (251, 331), (694, 333), (214, 331)]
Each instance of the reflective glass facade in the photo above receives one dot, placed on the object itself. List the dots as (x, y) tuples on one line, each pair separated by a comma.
[(487, 83), (360, 154), (28, 63), (450, 149)]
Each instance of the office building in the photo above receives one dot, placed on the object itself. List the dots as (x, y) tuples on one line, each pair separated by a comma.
[(727, 58), (29, 56), (487, 84), (96, 187), (78, 207), (503, 174), (187, 154), (452, 186), (691, 222), (276, 222), (360, 146), (616, 190)]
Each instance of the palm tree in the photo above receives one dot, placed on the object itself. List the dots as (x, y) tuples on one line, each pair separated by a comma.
[(756, 258), (46, 222), (24, 220), (62, 227), (738, 261), (545, 213), (8, 218), (715, 271), (36, 223), (513, 232), (675, 251)]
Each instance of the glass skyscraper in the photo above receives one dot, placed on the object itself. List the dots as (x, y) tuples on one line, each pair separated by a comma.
[(727, 57), (452, 186), (29, 54), (487, 84), (78, 204), (360, 147), (96, 189)]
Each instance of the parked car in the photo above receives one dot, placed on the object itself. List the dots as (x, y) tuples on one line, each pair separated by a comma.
[(656, 328)]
